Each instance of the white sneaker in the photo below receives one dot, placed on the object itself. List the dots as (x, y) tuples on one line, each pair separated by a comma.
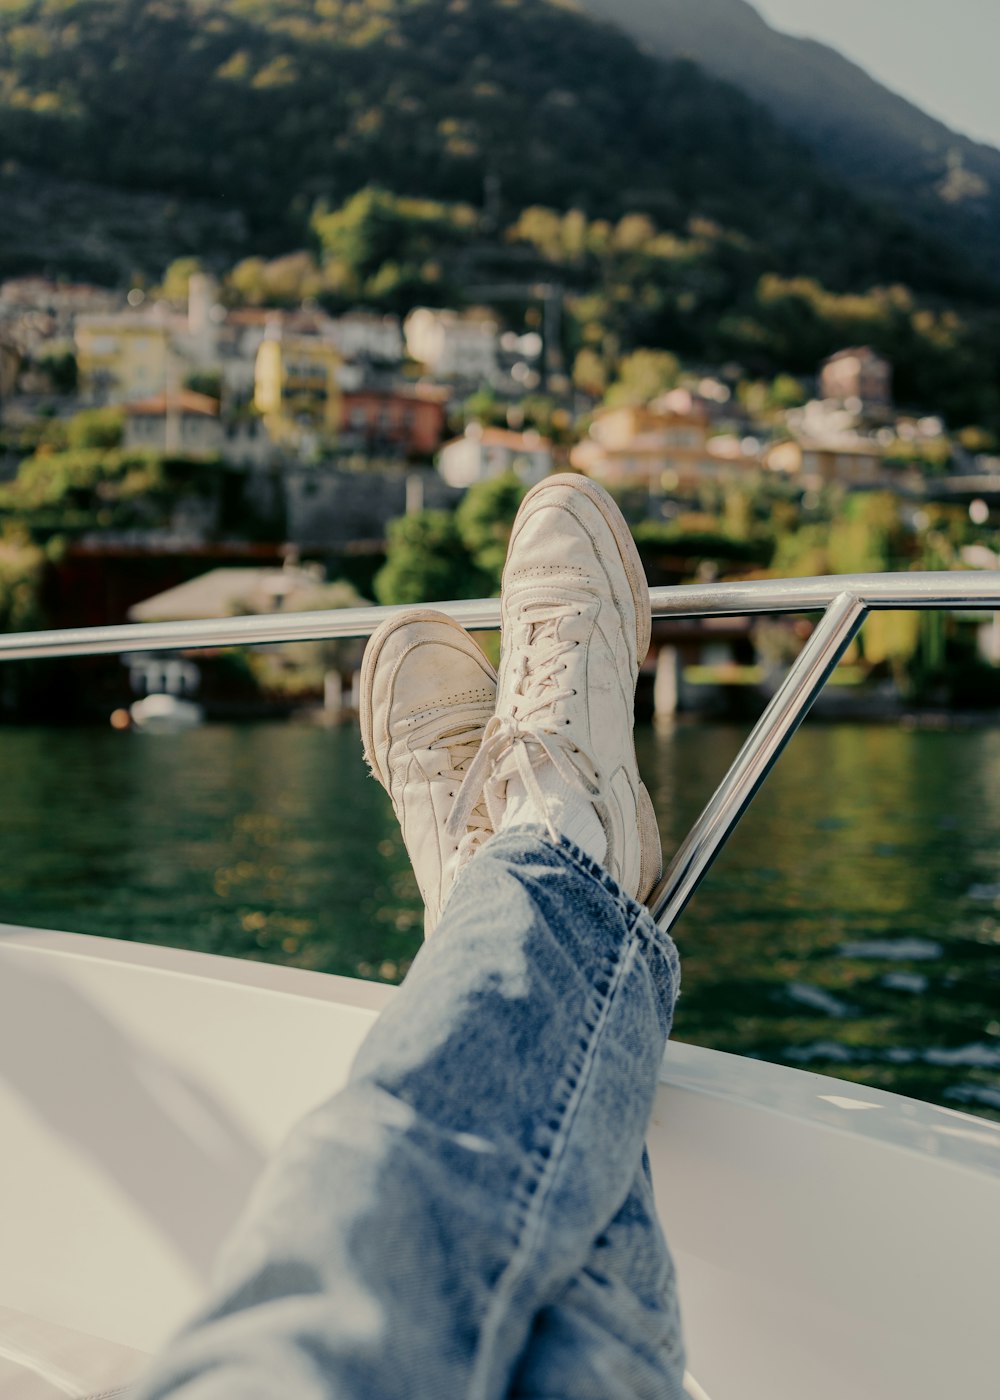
[(576, 625), (427, 692)]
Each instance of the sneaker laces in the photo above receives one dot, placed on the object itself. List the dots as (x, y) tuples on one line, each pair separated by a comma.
[(458, 749), (533, 733)]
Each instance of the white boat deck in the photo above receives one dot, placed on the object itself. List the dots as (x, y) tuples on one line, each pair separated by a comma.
[(832, 1241)]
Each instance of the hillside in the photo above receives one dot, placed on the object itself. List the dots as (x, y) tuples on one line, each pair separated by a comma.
[(261, 109), (429, 150), (878, 142)]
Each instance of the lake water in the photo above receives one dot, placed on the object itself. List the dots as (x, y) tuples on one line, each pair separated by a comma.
[(852, 926)]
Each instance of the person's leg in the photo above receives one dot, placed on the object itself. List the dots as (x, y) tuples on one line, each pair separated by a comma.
[(471, 1208), (418, 1226), (615, 1329), (559, 749)]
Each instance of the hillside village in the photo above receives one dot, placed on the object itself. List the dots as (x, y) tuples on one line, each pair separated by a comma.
[(279, 439), (274, 391)]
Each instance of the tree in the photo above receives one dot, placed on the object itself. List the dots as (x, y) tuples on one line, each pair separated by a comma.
[(642, 376), (427, 561), (589, 372), (866, 536), (177, 277), (483, 407), (283, 281), (484, 521), (786, 392), (382, 244), (95, 428), (58, 361), (205, 381), (21, 566)]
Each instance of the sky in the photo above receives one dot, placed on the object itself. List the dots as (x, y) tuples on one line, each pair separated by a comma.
[(944, 55)]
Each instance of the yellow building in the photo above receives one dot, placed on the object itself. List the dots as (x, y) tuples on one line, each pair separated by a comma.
[(296, 384), (124, 356)]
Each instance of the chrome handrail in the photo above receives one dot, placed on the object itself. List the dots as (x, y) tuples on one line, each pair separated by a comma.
[(787, 709), (844, 599), (878, 591)]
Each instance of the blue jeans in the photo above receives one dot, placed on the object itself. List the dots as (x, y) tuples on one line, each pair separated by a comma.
[(471, 1217)]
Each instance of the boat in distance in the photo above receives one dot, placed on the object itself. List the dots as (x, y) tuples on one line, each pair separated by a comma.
[(831, 1240)]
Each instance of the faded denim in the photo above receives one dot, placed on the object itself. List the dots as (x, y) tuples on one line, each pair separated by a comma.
[(472, 1216)]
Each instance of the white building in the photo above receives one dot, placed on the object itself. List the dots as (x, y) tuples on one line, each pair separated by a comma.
[(50, 307), (452, 346), (184, 424), (229, 592), (360, 335), (484, 453), (857, 377), (198, 338)]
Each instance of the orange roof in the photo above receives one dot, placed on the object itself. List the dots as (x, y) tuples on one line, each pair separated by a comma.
[(196, 405), (506, 437)]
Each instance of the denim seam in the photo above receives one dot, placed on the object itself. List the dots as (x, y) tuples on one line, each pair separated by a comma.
[(638, 918), (653, 940), (631, 909), (545, 1164)]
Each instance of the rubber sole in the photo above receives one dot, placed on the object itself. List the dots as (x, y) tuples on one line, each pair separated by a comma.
[(650, 846)]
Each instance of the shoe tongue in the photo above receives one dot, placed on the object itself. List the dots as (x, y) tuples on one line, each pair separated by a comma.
[(539, 618)]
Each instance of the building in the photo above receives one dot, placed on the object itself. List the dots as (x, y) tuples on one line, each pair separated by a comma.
[(663, 445), (854, 462), (296, 384), (484, 453), (405, 421), (363, 336), (139, 352), (452, 346), (230, 592), (858, 378), (198, 340), (51, 308), (329, 507), (127, 355), (182, 424)]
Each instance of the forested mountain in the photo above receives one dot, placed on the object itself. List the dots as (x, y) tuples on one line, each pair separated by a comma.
[(878, 142), (425, 150), (263, 108)]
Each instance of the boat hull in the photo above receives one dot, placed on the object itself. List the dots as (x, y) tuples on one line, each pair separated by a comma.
[(831, 1240)]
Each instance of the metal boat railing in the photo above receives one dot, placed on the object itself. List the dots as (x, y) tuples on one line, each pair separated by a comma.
[(844, 600)]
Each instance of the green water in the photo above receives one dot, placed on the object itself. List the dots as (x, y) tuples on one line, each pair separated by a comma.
[(851, 926)]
